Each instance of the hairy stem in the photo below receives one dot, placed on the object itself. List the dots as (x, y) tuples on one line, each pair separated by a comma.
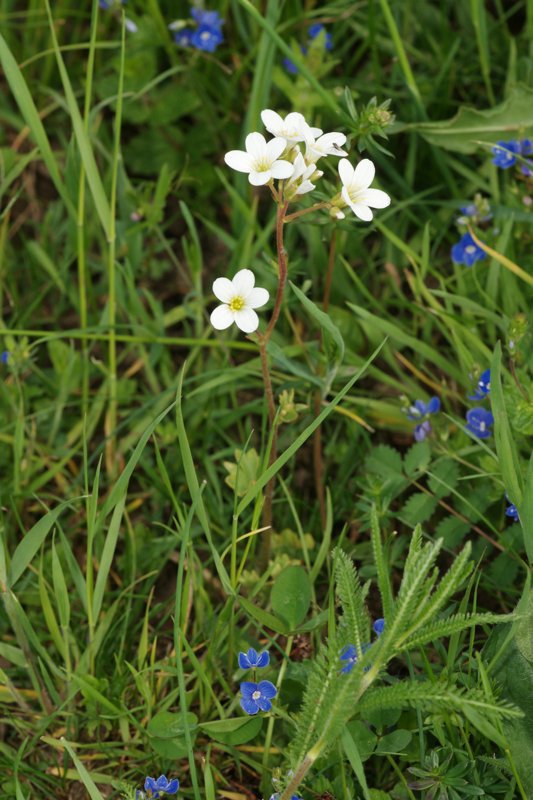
[(264, 554)]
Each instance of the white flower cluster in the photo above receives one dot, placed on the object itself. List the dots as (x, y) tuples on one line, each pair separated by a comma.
[(292, 156)]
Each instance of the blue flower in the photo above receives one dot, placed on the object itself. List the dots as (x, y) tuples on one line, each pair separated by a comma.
[(183, 37), (253, 659), (526, 147), (350, 656), (161, 785), (421, 431), (505, 154), (277, 796), (4, 357), (467, 252), (208, 19), (206, 38), (257, 696), (379, 626), (420, 409), (479, 422), (512, 511), (315, 30), (483, 386)]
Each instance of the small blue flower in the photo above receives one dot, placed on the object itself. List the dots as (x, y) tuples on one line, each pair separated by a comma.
[(315, 30), (208, 19), (257, 696), (206, 38), (161, 785), (479, 422), (422, 431), (483, 386), (505, 154), (278, 795), (469, 211), (379, 626), (420, 409), (4, 357), (512, 511), (350, 656), (526, 147), (466, 251), (252, 659), (183, 38)]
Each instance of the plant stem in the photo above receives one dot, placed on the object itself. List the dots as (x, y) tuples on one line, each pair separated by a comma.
[(318, 461), (264, 554), (304, 211)]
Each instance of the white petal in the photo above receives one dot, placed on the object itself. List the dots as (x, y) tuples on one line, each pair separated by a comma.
[(255, 144), (271, 120), (257, 297), (275, 148), (329, 140), (375, 198), (362, 211), (315, 132), (243, 283), (281, 169), (364, 174), (259, 178), (221, 318), (299, 167), (305, 187), (223, 289), (247, 320), (239, 160), (346, 172)]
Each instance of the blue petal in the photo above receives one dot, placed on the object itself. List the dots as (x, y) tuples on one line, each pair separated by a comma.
[(457, 253), (433, 406), (149, 784), (267, 689), (264, 704), (252, 657), (161, 782), (173, 786), (264, 659), (348, 652), (249, 705), (379, 626), (248, 688), (244, 662)]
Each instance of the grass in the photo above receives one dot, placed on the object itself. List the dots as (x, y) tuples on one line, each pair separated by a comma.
[(135, 442)]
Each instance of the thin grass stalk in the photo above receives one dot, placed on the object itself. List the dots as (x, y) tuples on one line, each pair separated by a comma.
[(112, 311)]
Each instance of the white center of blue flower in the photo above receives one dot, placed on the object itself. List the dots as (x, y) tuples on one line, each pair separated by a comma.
[(482, 426), (256, 695), (470, 249)]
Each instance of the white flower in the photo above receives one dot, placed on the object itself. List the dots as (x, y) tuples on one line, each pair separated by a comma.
[(329, 144), (239, 298), (293, 128), (299, 182), (260, 159), (356, 192)]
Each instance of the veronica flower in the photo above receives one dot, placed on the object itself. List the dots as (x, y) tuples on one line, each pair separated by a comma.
[(252, 659), (420, 409), (161, 786), (261, 159), (483, 386), (239, 299), (208, 19), (467, 252), (206, 38), (183, 37), (356, 190), (293, 128), (379, 626), (257, 696), (315, 30), (505, 154), (479, 422), (4, 357), (511, 511), (422, 430)]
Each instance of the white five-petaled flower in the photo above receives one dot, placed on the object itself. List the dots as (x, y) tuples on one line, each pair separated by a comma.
[(355, 189), (299, 182), (239, 298), (261, 159), (293, 128), (329, 144)]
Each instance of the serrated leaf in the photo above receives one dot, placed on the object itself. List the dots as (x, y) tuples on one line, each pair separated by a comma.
[(417, 458), (443, 478), (452, 531), (419, 508), (384, 461), (291, 596), (463, 132)]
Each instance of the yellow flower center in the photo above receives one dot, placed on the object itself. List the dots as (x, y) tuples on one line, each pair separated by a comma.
[(236, 304)]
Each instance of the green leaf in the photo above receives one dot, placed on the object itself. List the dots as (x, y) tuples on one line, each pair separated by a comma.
[(354, 757), (31, 543), (504, 440), (234, 731), (364, 738), (452, 531), (443, 477), (419, 508), (525, 510), (395, 742), (291, 596), (463, 132), (384, 461), (263, 617), (243, 472), (417, 458), (167, 725), (336, 349)]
